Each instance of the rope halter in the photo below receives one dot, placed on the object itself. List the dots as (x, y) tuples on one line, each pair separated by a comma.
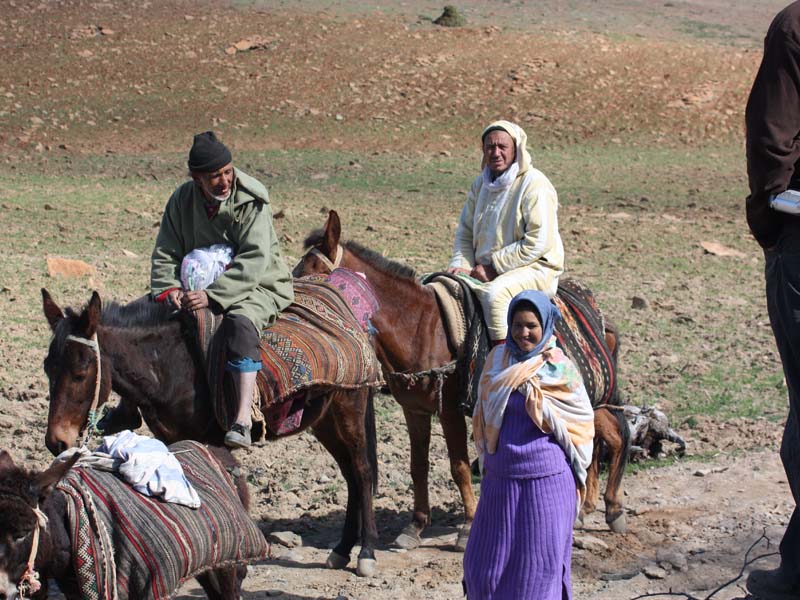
[(91, 418), (29, 584), (331, 264)]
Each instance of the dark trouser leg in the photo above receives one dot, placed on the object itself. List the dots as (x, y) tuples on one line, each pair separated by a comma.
[(783, 301), (244, 362)]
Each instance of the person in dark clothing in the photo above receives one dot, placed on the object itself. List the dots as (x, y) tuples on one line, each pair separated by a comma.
[(773, 153)]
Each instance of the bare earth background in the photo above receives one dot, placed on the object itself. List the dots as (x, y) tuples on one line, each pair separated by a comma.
[(633, 108)]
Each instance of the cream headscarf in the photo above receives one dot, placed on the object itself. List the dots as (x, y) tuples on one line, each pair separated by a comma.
[(523, 158)]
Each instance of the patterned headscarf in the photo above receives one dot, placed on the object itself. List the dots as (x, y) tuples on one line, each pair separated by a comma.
[(548, 316)]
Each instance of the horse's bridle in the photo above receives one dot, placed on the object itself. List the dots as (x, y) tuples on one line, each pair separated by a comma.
[(331, 264), (91, 418)]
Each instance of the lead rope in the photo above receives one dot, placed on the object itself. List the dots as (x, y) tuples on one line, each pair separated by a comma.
[(331, 264), (91, 418), (29, 584)]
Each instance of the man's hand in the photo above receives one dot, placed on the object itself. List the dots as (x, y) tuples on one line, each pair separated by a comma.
[(484, 273), (194, 300), (457, 271), (174, 298)]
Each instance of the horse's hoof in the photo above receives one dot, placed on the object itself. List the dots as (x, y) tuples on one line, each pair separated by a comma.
[(337, 561), (578, 524), (618, 524), (463, 537), (407, 541), (366, 567)]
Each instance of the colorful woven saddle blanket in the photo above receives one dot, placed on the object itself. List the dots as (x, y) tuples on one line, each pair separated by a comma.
[(127, 545), (581, 335), (316, 344), (467, 335)]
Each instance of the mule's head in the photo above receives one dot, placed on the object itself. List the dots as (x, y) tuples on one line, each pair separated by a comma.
[(73, 371), (22, 493), (323, 252)]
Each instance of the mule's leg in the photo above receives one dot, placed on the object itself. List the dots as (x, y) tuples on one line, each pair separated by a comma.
[(223, 584), (615, 434), (454, 427), (124, 416), (342, 431), (419, 434), (592, 475)]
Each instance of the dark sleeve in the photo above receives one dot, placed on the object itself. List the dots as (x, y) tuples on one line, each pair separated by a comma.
[(772, 118)]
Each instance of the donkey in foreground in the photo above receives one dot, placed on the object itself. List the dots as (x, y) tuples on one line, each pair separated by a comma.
[(39, 534), (140, 352), (412, 345)]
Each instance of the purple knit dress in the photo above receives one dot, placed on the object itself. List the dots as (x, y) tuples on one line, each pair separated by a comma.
[(520, 545)]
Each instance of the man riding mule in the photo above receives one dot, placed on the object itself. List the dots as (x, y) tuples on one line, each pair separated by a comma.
[(223, 205), (507, 236), (413, 343)]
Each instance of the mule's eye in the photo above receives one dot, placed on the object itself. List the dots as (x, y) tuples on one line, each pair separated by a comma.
[(80, 376)]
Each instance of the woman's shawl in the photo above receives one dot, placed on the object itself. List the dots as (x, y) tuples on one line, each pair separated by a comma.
[(555, 399)]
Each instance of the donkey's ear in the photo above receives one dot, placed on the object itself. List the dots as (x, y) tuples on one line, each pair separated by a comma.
[(90, 317), (44, 482), (51, 310), (6, 462), (333, 233)]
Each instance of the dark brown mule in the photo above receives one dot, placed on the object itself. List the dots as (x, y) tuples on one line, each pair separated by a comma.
[(27, 496), (144, 358), (411, 338)]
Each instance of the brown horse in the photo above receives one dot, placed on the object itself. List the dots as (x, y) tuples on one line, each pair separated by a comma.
[(140, 352), (37, 540), (411, 339)]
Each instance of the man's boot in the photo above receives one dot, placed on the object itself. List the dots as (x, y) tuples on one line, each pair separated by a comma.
[(239, 434)]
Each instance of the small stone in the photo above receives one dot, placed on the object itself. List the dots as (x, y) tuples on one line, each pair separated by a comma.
[(653, 571), (288, 539), (639, 303), (590, 543)]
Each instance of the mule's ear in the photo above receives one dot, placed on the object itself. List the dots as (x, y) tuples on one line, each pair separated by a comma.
[(44, 482), (6, 462), (333, 233), (51, 310), (90, 317)]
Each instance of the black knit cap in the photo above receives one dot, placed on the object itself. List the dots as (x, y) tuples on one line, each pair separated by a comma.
[(208, 153)]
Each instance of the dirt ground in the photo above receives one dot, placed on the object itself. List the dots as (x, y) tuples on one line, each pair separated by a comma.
[(91, 80)]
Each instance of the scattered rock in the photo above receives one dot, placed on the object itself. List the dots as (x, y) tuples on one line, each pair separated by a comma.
[(129, 254), (450, 17), (639, 303), (719, 250), (590, 543), (289, 539), (653, 571), (67, 267)]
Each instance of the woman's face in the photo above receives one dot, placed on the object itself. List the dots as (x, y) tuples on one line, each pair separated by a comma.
[(526, 330)]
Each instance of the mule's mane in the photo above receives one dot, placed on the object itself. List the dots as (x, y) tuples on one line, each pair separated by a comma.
[(375, 259), (136, 314)]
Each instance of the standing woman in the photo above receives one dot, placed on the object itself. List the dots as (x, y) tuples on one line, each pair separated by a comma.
[(533, 428)]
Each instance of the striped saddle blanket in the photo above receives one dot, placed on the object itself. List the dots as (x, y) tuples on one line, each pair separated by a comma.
[(580, 334), (127, 545), (316, 344)]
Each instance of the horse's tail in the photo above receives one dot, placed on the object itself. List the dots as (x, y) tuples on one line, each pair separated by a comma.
[(372, 439), (615, 475)]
